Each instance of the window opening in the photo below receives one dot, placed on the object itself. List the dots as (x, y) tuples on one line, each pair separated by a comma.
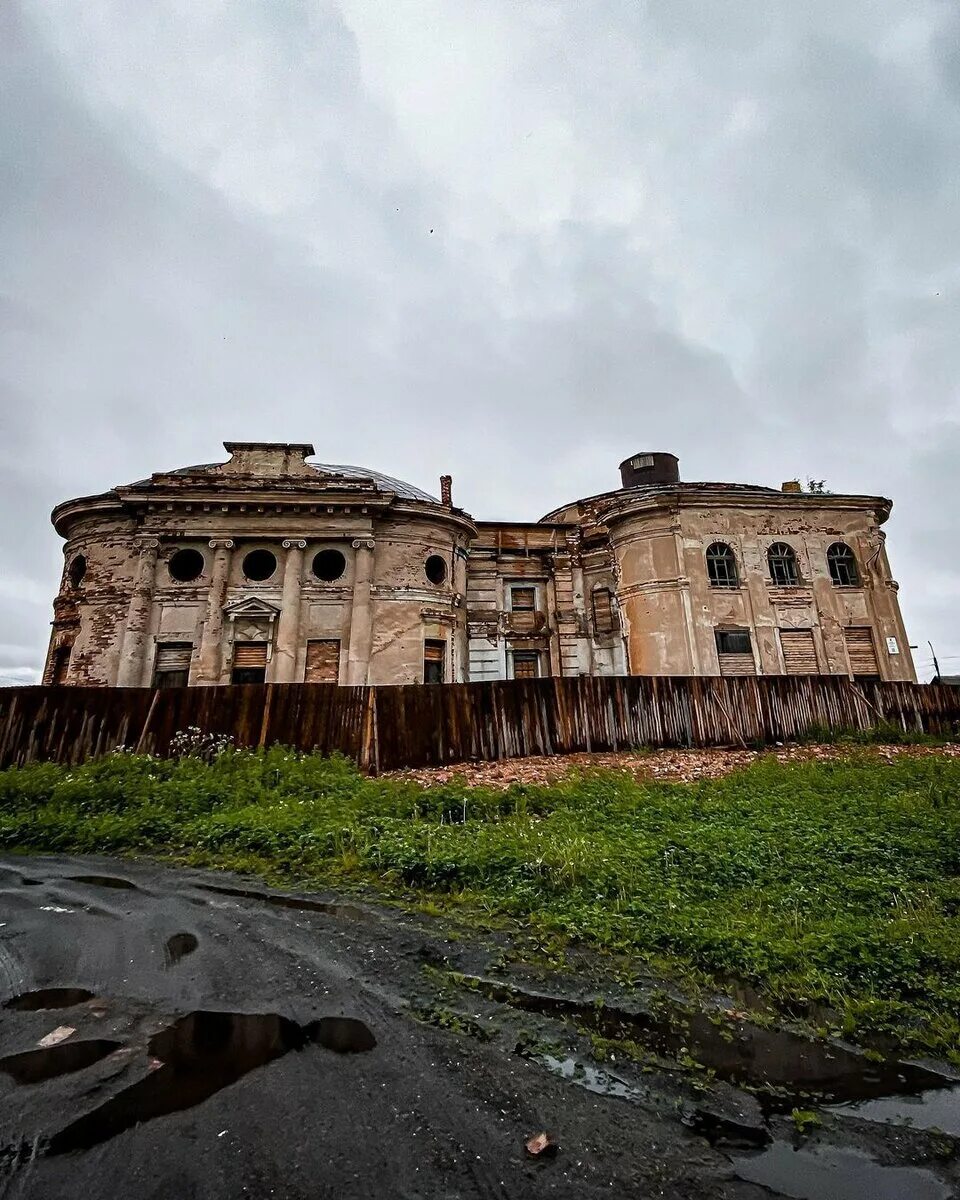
[(434, 661), (259, 565), (249, 662), (171, 667), (436, 569), (603, 619), (77, 570), (843, 565), (61, 664), (329, 565), (186, 565), (526, 664), (782, 561), (722, 566)]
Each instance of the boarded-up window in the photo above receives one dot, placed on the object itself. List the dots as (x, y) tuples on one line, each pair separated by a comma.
[(249, 662), (434, 661), (799, 652), (603, 621), (735, 652), (523, 606), (61, 664), (526, 664), (171, 668), (323, 661), (862, 652)]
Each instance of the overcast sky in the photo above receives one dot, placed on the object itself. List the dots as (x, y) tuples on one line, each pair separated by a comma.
[(513, 240)]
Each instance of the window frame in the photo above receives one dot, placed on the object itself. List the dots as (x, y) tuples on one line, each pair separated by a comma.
[(727, 558), (439, 660), (783, 553), (526, 656), (743, 633), (845, 560)]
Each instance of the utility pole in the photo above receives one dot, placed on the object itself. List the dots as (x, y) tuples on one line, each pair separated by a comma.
[(936, 665)]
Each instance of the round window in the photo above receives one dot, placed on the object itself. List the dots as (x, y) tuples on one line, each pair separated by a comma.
[(186, 565), (259, 565), (329, 565), (436, 569), (77, 570)]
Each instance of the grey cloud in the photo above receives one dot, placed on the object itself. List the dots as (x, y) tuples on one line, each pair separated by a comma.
[(714, 229)]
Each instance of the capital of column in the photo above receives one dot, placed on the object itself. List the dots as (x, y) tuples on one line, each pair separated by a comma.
[(300, 543), (225, 543), (363, 543), (148, 543)]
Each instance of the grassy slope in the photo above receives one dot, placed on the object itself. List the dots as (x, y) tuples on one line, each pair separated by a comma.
[(835, 882)]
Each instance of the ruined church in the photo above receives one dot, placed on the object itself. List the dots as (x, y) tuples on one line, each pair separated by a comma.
[(270, 567)]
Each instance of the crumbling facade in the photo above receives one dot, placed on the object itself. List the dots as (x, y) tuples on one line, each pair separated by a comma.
[(270, 568)]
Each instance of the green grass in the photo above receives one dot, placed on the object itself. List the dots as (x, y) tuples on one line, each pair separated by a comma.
[(835, 882)]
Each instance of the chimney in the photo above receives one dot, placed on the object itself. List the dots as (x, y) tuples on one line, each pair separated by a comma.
[(791, 485), (446, 490), (649, 467)]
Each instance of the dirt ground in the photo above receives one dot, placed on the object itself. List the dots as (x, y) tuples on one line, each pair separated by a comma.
[(680, 766), (173, 1033)]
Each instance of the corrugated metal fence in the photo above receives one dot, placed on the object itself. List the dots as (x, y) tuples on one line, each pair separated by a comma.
[(387, 727)]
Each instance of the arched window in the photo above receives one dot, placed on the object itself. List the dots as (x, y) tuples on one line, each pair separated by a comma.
[(77, 570), (722, 566), (782, 560), (843, 565)]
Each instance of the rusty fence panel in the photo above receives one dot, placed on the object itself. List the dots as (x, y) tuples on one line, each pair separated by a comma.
[(383, 728)]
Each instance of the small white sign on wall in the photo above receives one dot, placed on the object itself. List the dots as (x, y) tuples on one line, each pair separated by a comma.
[(892, 647)]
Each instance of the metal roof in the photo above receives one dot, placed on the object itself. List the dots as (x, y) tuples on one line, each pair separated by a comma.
[(385, 483)]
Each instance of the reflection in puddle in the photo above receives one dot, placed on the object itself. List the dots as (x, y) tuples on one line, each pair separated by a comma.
[(827, 1173), (591, 1078), (930, 1110), (739, 1052), (109, 881), (34, 1066), (179, 946), (46, 998), (278, 900), (199, 1055)]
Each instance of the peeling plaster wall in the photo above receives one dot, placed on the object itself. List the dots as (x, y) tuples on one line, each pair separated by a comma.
[(620, 580), (671, 611)]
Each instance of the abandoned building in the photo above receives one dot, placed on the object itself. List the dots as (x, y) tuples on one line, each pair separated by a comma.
[(268, 567)]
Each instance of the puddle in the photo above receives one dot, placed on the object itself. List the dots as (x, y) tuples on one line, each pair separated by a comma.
[(277, 900), (199, 1055), (47, 998), (344, 1035), (177, 947), (34, 1066), (108, 881), (791, 1066), (827, 1173), (938, 1109), (591, 1078)]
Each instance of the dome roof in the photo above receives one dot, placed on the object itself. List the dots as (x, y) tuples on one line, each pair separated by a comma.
[(385, 483), (289, 462)]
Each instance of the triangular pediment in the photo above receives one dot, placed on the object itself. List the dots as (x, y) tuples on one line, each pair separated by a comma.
[(252, 608)]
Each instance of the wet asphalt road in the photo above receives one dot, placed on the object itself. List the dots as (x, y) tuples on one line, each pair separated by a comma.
[(420, 1113)]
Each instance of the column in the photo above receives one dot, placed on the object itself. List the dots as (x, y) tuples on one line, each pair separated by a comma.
[(133, 646), (288, 627), (211, 640), (361, 617)]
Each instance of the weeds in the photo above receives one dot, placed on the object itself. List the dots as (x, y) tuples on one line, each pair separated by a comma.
[(827, 883)]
